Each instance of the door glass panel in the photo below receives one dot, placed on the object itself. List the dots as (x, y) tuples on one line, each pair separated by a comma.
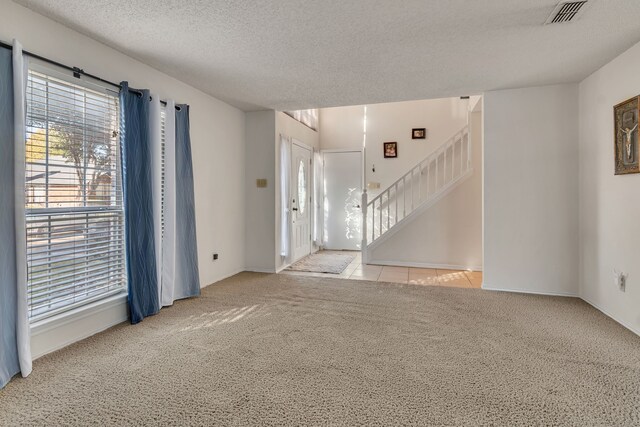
[(302, 187)]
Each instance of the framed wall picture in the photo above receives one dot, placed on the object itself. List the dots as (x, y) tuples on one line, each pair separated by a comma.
[(390, 150), (625, 119), (418, 133)]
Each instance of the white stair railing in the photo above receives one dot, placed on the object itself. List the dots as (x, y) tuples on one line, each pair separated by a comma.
[(423, 183)]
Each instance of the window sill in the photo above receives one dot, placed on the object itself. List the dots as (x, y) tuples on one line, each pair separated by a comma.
[(55, 332)]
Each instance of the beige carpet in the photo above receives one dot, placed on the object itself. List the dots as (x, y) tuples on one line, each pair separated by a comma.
[(288, 350)]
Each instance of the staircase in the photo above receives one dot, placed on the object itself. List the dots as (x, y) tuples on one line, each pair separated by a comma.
[(417, 190)]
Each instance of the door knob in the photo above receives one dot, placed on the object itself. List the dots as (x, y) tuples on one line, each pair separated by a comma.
[(294, 209)]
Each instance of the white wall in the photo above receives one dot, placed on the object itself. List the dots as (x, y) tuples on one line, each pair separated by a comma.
[(531, 190), (449, 233), (292, 128), (260, 203), (343, 127), (263, 130), (217, 138), (609, 204)]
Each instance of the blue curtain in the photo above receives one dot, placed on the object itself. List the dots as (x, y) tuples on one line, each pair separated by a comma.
[(187, 275), (137, 181), (9, 364)]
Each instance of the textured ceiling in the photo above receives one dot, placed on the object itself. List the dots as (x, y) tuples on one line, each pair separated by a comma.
[(296, 54)]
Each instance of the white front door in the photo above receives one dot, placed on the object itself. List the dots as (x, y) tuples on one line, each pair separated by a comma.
[(300, 201), (343, 187)]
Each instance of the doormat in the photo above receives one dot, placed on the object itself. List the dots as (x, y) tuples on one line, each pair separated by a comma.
[(324, 262)]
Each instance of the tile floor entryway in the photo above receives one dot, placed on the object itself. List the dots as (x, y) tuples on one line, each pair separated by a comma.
[(415, 276)]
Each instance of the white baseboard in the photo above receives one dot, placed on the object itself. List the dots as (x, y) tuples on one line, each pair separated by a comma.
[(570, 295), (283, 267), (425, 265), (487, 287), (224, 276), (259, 270), (65, 329), (615, 318), (59, 331)]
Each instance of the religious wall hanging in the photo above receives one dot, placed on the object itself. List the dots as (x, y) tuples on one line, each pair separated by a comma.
[(625, 119)]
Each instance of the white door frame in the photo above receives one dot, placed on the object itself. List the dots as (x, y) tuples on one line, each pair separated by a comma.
[(362, 169), (301, 144)]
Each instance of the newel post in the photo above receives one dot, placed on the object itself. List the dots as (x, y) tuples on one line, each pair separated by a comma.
[(363, 205)]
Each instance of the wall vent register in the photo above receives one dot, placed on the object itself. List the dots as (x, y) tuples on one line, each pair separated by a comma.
[(566, 12)]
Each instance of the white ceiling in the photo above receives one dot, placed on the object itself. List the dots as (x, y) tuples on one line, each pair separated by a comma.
[(296, 54)]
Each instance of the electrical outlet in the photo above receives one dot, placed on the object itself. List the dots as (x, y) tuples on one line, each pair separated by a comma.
[(620, 279), (215, 257)]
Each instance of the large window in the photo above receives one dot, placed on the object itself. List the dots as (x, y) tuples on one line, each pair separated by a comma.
[(307, 117), (75, 217)]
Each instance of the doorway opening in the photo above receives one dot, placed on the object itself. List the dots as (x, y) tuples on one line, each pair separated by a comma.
[(339, 181), (413, 213)]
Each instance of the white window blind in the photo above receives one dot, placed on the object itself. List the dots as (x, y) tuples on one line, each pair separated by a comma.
[(163, 117), (75, 216)]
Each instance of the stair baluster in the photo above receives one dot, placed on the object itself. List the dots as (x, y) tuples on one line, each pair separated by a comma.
[(399, 188)]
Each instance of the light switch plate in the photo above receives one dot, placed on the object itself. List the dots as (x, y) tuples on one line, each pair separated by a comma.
[(261, 183)]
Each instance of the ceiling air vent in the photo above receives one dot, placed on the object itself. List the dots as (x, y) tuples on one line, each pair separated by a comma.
[(566, 11)]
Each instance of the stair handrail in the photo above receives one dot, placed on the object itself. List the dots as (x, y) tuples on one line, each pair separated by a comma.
[(428, 160)]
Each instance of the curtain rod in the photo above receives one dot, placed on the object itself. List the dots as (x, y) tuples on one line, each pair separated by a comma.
[(77, 72)]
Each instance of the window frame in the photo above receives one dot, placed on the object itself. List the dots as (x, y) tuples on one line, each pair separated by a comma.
[(52, 72)]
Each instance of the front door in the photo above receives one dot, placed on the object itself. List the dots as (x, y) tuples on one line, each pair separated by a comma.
[(342, 212), (300, 201)]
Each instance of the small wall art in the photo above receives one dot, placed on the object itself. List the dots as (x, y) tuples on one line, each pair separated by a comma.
[(390, 150), (418, 133)]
